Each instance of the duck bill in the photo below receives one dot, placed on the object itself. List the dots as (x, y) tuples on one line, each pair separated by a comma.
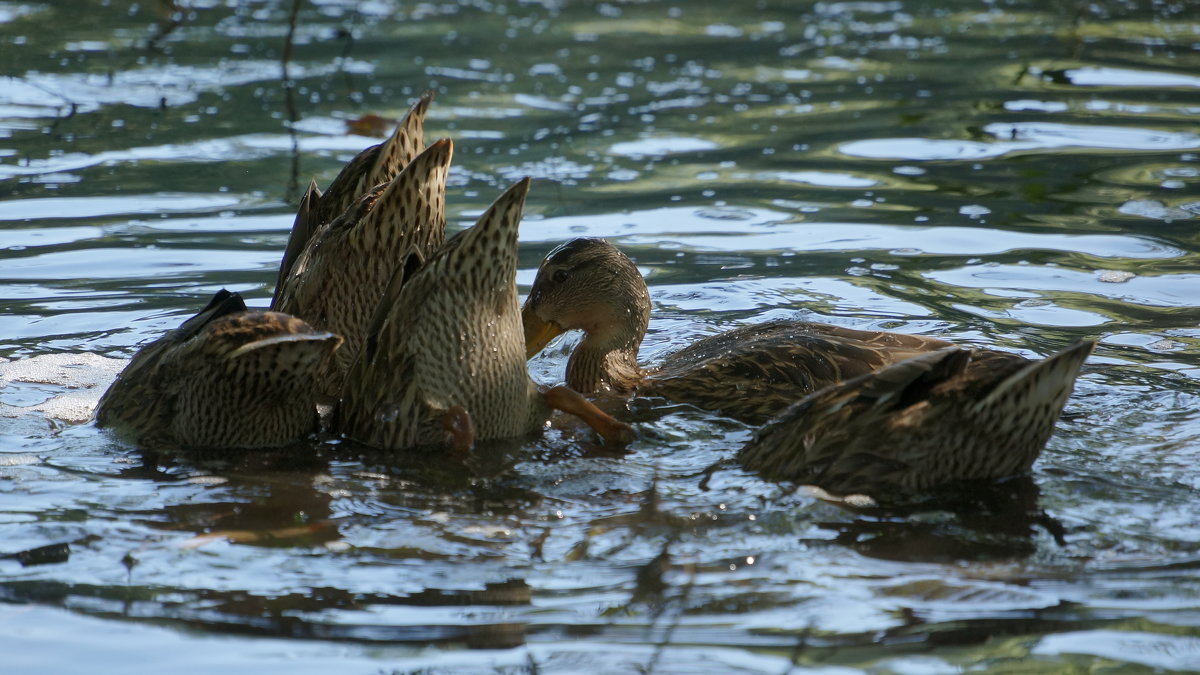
[(538, 333)]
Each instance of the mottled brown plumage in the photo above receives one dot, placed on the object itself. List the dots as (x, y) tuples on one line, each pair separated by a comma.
[(445, 350), (377, 164), (750, 373), (340, 276), (950, 415), (373, 166), (226, 378)]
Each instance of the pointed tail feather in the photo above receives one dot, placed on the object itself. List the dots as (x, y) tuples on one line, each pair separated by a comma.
[(1018, 416), (1040, 385), (405, 143), (411, 210), (302, 230), (490, 246)]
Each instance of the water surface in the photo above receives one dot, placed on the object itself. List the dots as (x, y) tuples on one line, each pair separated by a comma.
[(1006, 174)]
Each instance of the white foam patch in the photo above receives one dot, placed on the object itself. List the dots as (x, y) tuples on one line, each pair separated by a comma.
[(69, 385), (853, 500)]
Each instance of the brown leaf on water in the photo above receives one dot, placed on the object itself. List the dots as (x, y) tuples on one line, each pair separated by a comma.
[(256, 536), (371, 125)]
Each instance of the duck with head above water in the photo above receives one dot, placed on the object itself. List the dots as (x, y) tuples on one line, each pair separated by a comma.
[(443, 361), (226, 378), (750, 373)]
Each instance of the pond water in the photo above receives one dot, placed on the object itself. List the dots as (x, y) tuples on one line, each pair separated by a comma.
[(1016, 174)]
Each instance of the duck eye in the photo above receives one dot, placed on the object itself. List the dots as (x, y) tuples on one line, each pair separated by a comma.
[(560, 276)]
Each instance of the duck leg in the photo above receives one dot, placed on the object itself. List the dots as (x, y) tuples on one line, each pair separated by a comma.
[(613, 431), (458, 430)]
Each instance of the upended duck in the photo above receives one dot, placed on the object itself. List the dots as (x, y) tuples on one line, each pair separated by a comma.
[(443, 362), (376, 164), (338, 278), (749, 373), (226, 378), (950, 415)]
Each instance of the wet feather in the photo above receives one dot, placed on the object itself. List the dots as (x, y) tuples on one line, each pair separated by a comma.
[(226, 378), (951, 415)]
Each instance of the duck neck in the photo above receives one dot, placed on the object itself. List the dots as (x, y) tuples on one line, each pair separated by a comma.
[(591, 370), (606, 359)]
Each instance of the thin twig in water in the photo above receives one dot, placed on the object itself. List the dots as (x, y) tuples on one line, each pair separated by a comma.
[(347, 35), (530, 662), (289, 102), (799, 649), (174, 17), (1076, 29), (651, 511), (685, 592)]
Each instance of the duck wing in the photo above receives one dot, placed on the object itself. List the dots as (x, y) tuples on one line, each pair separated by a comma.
[(755, 371)]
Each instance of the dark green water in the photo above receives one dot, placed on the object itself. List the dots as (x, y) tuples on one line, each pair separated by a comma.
[(1011, 174)]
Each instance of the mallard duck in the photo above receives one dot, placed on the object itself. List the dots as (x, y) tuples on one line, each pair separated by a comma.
[(338, 279), (749, 373), (443, 363), (377, 164), (226, 378), (950, 415)]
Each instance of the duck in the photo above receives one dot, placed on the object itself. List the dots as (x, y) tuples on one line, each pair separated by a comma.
[(948, 416), (377, 164), (749, 373), (226, 378), (443, 364), (340, 276)]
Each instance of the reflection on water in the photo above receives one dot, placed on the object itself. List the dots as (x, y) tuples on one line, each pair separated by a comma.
[(1016, 176)]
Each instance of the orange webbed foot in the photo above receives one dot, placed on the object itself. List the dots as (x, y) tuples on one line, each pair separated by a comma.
[(612, 430)]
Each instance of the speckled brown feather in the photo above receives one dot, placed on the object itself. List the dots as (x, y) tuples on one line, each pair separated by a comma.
[(753, 372), (750, 373), (370, 168), (377, 164), (946, 416), (341, 275), (448, 335), (226, 378)]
